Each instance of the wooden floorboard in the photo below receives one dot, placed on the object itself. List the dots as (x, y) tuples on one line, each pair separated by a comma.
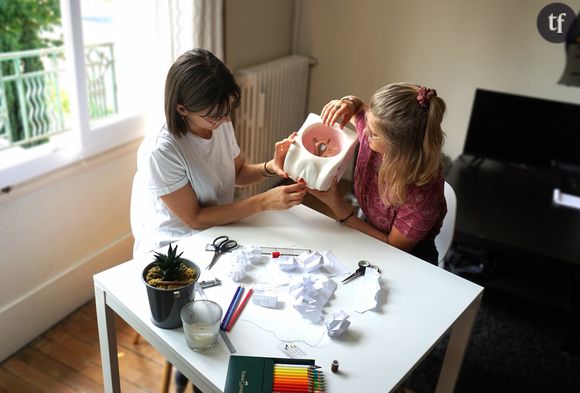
[(66, 359)]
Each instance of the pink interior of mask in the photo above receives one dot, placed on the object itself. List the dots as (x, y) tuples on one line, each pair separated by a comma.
[(322, 141)]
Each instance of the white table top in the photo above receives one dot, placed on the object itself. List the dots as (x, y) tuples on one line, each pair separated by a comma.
[(418, 304)]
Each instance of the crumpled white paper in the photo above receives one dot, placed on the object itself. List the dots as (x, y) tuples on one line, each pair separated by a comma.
[(337, 323), (286, 263), (238, 266), (311, 296), (332, 265), (252, 253), (241, 257), (311, 262), (368, 293)]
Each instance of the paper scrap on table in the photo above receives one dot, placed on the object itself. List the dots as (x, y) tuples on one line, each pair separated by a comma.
[(240, 258), (310, 262), (311, 296), (368, 292), (286, 263), (332, 265), (252, 254), (337, 323), (265, 298), (237, 270)]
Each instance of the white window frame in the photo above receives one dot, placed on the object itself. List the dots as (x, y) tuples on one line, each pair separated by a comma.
[(19, 165)]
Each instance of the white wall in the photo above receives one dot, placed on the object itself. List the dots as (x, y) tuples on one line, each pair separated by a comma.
[(453, 46), (55, 233), (257, 31)]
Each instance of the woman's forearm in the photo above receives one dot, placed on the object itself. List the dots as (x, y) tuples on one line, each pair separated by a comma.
[(207, 217), (254, 173)]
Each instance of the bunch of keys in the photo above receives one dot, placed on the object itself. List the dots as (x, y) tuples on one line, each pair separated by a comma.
[(362, 266)]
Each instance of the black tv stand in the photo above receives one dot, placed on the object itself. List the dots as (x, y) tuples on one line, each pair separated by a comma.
[(509, 211)]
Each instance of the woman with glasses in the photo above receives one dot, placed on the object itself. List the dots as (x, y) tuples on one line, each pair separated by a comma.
[(187, 171), (398, 178)]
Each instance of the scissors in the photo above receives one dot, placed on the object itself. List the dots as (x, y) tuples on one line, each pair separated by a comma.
[(221, 244), (362, 266)]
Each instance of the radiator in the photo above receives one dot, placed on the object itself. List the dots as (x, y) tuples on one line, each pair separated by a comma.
[(273, 106)]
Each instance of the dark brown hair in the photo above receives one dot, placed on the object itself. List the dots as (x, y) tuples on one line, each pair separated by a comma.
[(199, 81), (413, 136)]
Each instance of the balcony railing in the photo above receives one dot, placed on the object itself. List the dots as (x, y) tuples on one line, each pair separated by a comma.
[(34, 100)]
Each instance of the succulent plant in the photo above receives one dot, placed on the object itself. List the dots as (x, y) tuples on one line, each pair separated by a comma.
[(170, 264)]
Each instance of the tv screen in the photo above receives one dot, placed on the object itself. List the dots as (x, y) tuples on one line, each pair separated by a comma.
[(523, 130)]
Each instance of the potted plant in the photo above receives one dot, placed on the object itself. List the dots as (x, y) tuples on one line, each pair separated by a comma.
[(170, 282)]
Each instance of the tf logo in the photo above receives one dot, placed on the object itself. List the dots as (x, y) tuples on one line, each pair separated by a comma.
[(554, 22)]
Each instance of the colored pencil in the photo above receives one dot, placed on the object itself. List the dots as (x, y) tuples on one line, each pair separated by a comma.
[(292, 365), (232, 307), (296, 374), (293, 378), (293, 371), (297, 378), (239, 309), (299, 374)]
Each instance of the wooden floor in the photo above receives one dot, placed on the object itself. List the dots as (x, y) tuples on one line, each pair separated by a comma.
[(66, 358)]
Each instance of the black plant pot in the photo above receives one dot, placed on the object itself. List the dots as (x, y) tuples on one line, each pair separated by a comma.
[(165, 304)]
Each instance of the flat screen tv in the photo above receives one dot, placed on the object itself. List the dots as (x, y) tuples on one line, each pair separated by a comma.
[(524, 130)]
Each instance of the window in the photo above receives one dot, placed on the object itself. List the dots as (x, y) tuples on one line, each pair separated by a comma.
[(95, 92)]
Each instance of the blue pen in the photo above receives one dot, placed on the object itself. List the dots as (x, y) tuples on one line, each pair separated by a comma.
[(232, 307)]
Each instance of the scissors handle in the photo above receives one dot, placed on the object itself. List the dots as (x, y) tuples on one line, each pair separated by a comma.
[(228, 245), (218, 241)]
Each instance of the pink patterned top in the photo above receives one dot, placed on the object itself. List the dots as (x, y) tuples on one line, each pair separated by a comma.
[(419, 218)]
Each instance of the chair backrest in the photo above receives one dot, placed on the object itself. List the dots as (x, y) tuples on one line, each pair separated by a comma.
[(445, 236)]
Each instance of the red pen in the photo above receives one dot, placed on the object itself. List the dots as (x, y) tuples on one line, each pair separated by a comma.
[(239, 309)]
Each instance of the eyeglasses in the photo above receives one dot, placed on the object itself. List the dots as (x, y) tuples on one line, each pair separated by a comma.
[(213, 120)]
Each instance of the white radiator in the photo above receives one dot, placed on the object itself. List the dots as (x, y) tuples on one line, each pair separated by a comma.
[(273, 106)]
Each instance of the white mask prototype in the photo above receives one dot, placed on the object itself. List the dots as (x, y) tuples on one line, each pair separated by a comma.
[(320, 153)]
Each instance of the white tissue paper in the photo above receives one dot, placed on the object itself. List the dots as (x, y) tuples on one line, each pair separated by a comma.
[(337, 323), (368, 293)]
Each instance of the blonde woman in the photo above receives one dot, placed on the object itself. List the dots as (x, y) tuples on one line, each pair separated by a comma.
[(398, 178)]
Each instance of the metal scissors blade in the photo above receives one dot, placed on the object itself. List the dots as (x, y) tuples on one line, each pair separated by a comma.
[(360, 271), (216, 255)]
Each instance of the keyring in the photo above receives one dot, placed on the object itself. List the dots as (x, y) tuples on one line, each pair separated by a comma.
[(364, 263)]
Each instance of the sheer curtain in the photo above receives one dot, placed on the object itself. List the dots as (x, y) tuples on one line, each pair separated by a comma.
[(196, 23)]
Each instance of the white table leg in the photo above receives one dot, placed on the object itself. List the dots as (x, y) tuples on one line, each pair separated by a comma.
[(108, 343), (460, 334)]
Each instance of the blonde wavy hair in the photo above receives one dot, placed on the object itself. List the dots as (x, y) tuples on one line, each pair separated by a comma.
[(411, 129)]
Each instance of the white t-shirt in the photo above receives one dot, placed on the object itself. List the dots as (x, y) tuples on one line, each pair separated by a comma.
[(164, 165)]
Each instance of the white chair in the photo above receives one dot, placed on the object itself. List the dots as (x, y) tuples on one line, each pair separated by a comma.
[(445, 236)]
